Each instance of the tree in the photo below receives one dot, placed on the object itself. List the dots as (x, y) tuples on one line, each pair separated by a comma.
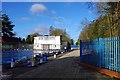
[(20, 39), (23, 40), (106, 25), (112, 11), (72, 42), (30, 38), (51, 29), (84, 23), (60, 32), (57, 32), (7, 26), (77, 43)]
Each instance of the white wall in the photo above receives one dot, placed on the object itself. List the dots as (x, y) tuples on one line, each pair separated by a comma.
[(51, 40)]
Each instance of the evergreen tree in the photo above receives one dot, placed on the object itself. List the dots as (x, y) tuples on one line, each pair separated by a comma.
[(7, 26)]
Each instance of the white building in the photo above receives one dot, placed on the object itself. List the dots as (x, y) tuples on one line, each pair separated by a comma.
[(47, 43)]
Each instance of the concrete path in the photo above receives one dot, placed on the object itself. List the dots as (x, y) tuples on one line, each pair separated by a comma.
[(65, 66)]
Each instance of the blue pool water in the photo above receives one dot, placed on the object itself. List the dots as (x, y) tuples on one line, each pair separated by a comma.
[(16, 54)]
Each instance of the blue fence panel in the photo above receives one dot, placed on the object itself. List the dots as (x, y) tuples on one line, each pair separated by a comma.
[(101, 52), (15, 54), (118, 55)]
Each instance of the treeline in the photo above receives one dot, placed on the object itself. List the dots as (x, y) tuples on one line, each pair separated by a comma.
[(107, 24), (52, 32)]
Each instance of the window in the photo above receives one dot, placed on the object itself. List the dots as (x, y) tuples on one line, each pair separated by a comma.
[(40, 38), (37, 45), (55, 45)]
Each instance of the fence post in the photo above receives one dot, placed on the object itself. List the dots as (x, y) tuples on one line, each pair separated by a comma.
[(118, 59), (100, 52), (80, 50)]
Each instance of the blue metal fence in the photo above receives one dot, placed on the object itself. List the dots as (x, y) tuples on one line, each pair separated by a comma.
[(16, 54), (101, 52)]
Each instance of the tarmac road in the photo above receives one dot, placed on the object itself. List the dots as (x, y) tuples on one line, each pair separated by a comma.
[(65, 66)]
